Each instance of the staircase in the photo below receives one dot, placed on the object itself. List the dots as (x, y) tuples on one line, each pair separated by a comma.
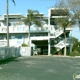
[(61, 44), (56, 33)]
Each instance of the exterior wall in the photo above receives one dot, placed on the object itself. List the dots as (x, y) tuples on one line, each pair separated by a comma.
[(9, 52)]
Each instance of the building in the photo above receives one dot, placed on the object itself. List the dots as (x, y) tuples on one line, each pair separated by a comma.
[(48, 39)]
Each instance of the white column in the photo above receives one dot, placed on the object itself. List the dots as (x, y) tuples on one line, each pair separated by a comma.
[(49, 47), (49, 13), (30, 46), (71, 48), (49, 32)]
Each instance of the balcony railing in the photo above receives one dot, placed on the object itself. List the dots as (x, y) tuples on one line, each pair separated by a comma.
[(22, 29), (57, 32), (13, 29), (61, 44)]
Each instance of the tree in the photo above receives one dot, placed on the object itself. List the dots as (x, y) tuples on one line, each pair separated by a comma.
[(76, 47), (7, 13), (75, 43), (65, 20), (64, 23), (75, 8), (32, 17)]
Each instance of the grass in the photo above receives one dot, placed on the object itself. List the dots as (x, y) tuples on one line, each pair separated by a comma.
[(39, 68)]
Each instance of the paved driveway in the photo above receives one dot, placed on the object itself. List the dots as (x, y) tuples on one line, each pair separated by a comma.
[(39, 68)]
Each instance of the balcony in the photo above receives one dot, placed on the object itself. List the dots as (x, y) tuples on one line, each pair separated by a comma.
[(44, 28), (40, 38), (23, 29), (3, 29)]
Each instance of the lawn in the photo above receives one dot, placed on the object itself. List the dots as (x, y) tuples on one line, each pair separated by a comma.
[(39, 68)]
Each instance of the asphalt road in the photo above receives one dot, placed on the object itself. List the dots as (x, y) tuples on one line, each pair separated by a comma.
[(39, 68)]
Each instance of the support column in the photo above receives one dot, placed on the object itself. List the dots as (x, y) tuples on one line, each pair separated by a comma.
[(49, 47), (70, 48), (49, 12), (30, 46), (7, 22)]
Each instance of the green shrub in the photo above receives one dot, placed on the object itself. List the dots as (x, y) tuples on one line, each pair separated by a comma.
[(53, 50), (60, 52), (75, 53), (24, 45)]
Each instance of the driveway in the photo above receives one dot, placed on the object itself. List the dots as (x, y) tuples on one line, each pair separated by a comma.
[(39, 68)]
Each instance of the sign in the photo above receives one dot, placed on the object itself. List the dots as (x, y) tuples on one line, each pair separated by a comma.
[(76, 76)]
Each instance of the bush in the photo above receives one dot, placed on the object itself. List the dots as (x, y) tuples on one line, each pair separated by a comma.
[(24, 45), (75, 53), (60, 52)]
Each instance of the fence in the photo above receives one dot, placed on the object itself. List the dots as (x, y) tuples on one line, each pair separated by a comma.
[(8, 52)]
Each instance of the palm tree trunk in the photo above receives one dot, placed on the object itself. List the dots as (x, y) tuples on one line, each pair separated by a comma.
[(64, 42), (7, 23), (29, 36), (29, 42)]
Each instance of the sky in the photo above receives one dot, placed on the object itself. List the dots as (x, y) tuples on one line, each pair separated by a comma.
[(76, 32), (23, 5)]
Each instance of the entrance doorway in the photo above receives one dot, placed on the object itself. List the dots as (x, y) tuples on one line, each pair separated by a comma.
[(42, 46)]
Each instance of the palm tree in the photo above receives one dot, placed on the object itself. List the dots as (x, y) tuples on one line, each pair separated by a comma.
[(66, 19), (7, 13), (32, 17), (65, 23)]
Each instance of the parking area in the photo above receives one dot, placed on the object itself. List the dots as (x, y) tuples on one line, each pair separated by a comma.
[(39, 68)]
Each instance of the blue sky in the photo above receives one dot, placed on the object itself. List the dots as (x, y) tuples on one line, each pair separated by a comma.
[(23, 5), (76, 32)]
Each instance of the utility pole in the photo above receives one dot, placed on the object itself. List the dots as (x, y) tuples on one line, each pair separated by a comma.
[(7, 21)]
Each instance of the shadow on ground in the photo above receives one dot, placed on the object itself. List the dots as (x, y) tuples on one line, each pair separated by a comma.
[(8, 60)]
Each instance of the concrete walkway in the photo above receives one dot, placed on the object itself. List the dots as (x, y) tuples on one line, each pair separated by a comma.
[(39, 68)]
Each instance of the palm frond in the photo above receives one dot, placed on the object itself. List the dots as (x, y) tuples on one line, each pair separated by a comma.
[(38, 23), (17, 23), (14, 2)]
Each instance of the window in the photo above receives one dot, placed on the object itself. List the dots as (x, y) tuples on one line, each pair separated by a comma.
[(12, 37), (9, 24), (19, 37)]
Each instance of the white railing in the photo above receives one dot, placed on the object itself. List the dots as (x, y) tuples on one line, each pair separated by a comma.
[(61, 44), (3, 29), (70, 28), (22, 29), (57, 33)]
